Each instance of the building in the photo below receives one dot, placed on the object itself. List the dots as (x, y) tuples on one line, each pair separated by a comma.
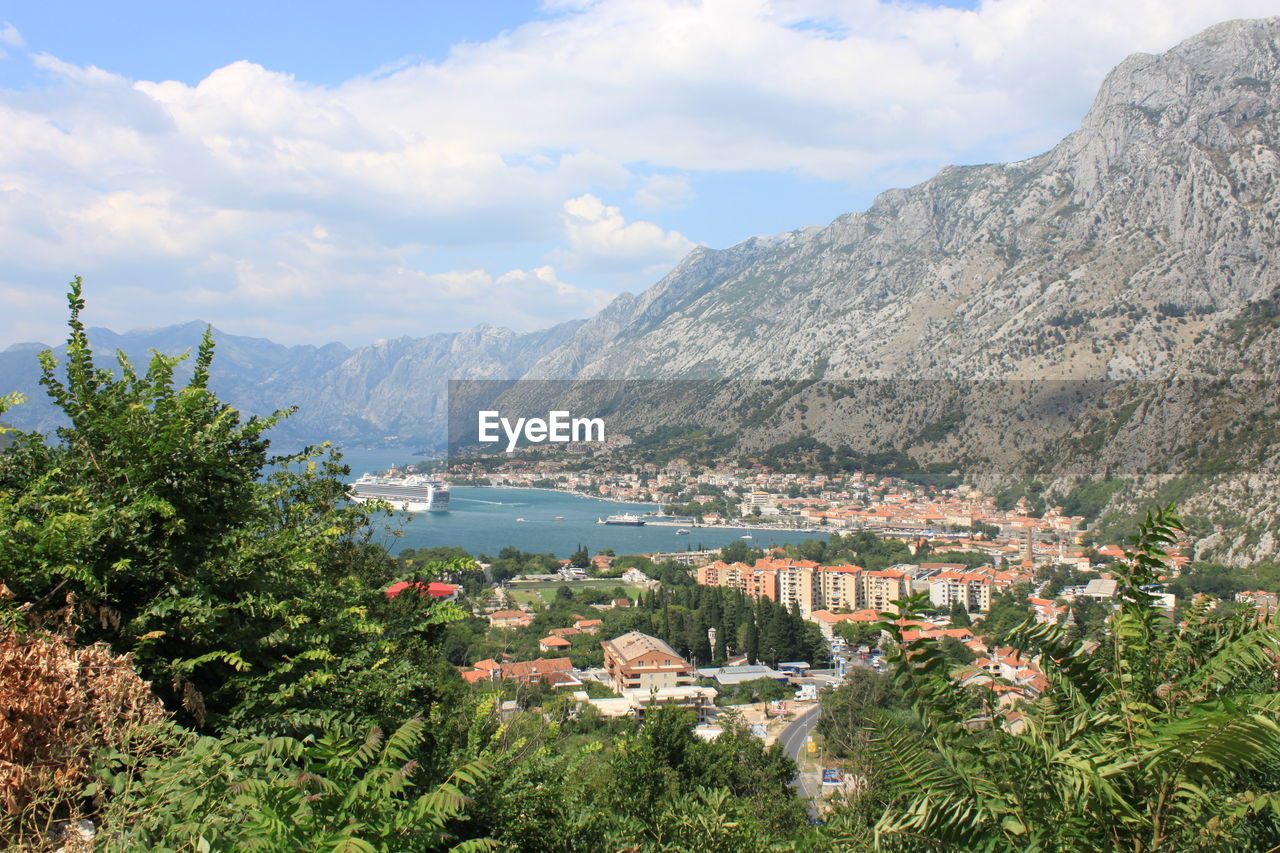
[(796, 587), (1265, 602), (1100, 589), (728, 676), (635, 703), (510, 619), (882, 589), (970, 590), (838, 587), (685, 558), (554, 644), (809, 587), (636, 661), (1047, 611), (554, 672), (827, 621), (756, 581), (441, 591)]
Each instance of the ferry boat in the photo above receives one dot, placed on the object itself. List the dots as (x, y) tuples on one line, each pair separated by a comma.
[(412, 493), (626, 519)]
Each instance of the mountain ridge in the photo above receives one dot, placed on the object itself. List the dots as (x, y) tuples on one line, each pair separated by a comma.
[(1140, 247)]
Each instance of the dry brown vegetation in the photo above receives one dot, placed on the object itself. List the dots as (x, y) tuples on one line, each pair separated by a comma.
[(59, 704)]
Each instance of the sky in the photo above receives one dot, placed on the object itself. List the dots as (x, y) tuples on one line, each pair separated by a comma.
[(319, 171)]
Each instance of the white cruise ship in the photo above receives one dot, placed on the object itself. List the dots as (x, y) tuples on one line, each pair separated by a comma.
[(625, 519), (414, 493)]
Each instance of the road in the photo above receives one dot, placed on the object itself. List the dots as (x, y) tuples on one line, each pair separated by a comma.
[(793, 739)]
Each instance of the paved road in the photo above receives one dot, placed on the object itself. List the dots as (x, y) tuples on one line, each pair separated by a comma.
[(793, 739)]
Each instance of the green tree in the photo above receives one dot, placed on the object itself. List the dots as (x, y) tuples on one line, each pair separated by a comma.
[(960, 616), (849, 711), (1009, 609), (859, 633), (956, 652), (243, 585), (738, 552)]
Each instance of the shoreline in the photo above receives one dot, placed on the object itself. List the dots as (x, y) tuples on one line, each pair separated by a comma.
[(693, 527), (685, 524), (562, 492)]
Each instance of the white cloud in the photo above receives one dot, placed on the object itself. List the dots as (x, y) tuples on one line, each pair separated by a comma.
[(600, 238), (220, 187), (303, 296), (661, 191), (9, 35)]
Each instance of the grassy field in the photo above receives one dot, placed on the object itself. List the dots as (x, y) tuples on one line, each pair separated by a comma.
[(545, 591)]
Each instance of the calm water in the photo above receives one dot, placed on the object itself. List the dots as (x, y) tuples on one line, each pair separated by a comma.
[(484, 520)]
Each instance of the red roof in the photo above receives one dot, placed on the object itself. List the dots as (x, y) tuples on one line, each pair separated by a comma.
[(435, 590)]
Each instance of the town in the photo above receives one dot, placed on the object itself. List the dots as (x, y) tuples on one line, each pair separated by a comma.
[(765, 636), (754, 494)]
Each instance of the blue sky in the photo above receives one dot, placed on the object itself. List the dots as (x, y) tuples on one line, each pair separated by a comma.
[(332, 171)]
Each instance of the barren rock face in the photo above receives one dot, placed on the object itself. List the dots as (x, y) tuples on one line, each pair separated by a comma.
[(1058, 266)]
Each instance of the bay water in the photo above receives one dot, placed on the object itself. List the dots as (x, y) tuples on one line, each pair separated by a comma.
[(483, 520)]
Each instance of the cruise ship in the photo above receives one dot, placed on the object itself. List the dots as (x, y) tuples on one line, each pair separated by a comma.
[(414, 493), (625, 518)]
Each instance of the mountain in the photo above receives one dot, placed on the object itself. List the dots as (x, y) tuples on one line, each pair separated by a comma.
[(1065, 317), (1104, 257), (383, 392)]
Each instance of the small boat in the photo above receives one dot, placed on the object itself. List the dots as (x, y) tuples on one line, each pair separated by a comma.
[(520, 519), (559, 518), (682, 532), (744, 537)]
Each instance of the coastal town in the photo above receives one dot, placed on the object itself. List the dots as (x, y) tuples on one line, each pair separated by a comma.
[(746, 494), (597, 635)]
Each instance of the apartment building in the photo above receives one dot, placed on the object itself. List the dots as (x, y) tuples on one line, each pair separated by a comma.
[(636, 661), (795, 582), (755, 581), (839, 587), (810, 587), (882, 589), (970, 590)]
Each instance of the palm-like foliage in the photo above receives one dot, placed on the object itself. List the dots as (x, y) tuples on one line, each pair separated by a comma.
[(1146, 743), (337, 790)]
